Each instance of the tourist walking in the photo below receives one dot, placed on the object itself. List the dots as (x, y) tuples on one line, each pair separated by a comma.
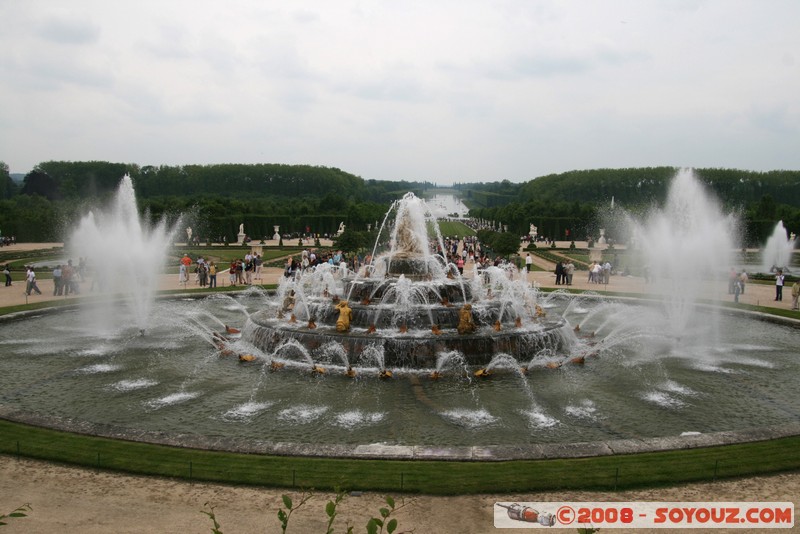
[(795, 294), (779, 278), (7, 274), (30, 277), (528, 262), (743, 280), (559, 272)]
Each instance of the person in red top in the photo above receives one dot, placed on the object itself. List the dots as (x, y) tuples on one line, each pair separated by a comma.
[(232, 272), (183, 275)]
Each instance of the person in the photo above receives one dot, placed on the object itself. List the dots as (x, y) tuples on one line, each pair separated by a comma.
[(240, 272), (31, 279), (232, 273), (249, 266), (202, 274), (183, 270), (737, 289), (779, 278), (528, 262), (58, 289), (606, 272), (795, 294), (212, 274), (733, 277), (67, 278), (7, 274), (259, 263), (569, 271), (559, 272), (743, 280)]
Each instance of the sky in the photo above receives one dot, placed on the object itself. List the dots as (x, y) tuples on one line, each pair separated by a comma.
[(444, 90)]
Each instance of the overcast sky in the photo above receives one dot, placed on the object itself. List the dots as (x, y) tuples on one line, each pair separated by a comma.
[(448, 91)]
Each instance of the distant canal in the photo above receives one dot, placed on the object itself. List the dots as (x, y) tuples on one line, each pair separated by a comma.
[(446, 205)]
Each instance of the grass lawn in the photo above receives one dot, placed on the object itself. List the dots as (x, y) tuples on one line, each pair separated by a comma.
[(455, 228), (430, 477)]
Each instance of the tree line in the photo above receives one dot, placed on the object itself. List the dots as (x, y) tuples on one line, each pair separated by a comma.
[(213, 199), (575, 204), (216, 199)]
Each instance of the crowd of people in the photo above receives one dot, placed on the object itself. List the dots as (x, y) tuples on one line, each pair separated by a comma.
[(206, 271)]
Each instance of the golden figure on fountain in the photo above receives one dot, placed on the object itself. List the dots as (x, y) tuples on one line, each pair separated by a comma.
[(345, 316), (466, 325)]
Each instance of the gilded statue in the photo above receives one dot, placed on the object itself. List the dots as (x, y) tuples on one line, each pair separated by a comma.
[(345, 316), (466, 325)]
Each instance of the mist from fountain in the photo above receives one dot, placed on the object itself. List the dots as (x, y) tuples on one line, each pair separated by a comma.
[(687, 246), (125, 253), (777, 252)]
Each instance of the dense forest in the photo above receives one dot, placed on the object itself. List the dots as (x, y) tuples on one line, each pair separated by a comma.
[(579, 202), (215, 199)]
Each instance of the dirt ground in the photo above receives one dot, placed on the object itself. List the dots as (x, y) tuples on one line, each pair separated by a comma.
[(70, 499)]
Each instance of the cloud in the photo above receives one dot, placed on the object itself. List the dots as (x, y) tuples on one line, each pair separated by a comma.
[(69, 31), (440, 90)]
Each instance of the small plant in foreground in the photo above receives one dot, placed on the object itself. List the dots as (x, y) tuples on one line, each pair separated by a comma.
[(215, 529), (375, 525), (19, 512), (284, 516)]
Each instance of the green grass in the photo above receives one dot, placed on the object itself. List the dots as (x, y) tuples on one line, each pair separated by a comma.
[(430, 477), (455, 228)]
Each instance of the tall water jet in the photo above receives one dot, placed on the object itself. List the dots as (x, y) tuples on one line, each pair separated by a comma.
[(687, 246), (777, 253), (125, 254)]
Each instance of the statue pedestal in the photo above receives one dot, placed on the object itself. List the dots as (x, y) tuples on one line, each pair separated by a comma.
[(240, 238)]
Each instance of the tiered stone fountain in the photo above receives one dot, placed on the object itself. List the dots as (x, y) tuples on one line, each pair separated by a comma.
[(408, 307)]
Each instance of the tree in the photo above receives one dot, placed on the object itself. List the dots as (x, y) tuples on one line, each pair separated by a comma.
[(505, 244), (40, 183), (350, 241), (7, 186)]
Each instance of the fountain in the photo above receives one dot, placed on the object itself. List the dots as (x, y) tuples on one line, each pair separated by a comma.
[(777, 253), (407, 306), (687, 246), (124, 253), (407, 357)]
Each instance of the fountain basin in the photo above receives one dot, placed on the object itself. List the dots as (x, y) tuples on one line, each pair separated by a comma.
[(642, 392)]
